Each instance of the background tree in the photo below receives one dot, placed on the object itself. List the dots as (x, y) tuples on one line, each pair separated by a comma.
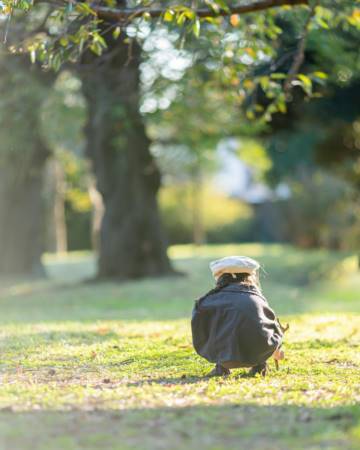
[(132, 243), (238, 50), (322, 134), (62, 119), (22, 160)]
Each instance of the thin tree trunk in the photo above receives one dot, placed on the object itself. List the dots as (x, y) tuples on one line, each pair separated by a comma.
[(59, 209), (132, 242), (56, 223), (199, 234), (97, 215)]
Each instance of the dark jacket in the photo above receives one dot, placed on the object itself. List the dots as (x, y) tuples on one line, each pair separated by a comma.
[(235, 324)]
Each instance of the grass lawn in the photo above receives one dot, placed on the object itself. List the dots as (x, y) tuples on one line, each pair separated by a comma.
[(111, 366)]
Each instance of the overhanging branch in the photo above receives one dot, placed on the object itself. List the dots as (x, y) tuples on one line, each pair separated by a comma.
[(126, 14), (300, 52)]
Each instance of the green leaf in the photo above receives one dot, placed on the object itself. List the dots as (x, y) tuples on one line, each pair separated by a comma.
[(305, 80), (96, 48), (322, 23), (196, 27), (189, 13), (169, 15), (85, 9), (281, 104), (100, 40), (181, 19), (321, 75), (64, 42), (264, 82), (250, 114), (116, 32), (278, 76), (212, 20), (24, 5)]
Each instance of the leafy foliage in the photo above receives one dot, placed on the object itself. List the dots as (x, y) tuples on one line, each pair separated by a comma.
[(238, 45)]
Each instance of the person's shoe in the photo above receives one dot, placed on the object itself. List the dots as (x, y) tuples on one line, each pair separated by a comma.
[(260, 368), (219, 371)]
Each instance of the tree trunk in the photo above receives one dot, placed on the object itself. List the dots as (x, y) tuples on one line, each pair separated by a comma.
[(96, 216), (59, 210), (55, 185), (21, 215), (199, 233), (23, 154), (132, 242)]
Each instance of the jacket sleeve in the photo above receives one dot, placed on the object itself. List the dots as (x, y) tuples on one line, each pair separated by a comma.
[(265, 331), (270, 326)]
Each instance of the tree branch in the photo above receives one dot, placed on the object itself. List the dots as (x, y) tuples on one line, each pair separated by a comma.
[(300, 52), (124, 14)]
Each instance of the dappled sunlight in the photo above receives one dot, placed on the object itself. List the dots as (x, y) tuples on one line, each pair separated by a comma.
[(107, 358), (121, 365)]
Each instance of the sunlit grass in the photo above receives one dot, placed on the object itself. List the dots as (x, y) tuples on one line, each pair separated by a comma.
[(89, 366), (118, 364)]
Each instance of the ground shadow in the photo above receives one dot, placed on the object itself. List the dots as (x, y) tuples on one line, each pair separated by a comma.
[(186, 379), (181, 380), (235, 426)]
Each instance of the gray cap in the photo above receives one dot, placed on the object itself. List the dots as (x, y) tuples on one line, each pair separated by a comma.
[(233, 264)]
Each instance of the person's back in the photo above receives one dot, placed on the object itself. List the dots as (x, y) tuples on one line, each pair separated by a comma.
[(233, 325)]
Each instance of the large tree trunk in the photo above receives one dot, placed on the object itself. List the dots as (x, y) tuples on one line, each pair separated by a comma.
[(22, 214), (132, 242), (23, 155)]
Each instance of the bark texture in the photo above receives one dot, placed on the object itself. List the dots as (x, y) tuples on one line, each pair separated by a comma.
[(22, 215), (132, 242)]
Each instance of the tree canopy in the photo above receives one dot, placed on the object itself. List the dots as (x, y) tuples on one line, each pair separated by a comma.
[(231, 37)]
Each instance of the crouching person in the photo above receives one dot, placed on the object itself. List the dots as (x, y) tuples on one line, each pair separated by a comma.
[(233, 325)]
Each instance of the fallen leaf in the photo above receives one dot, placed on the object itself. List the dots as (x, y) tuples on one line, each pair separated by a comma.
[(103, 331)]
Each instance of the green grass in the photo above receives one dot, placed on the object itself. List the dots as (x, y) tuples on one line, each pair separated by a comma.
[(111, 366)]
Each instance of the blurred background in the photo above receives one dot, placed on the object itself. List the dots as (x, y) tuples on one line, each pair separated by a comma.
[(83, 149)]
